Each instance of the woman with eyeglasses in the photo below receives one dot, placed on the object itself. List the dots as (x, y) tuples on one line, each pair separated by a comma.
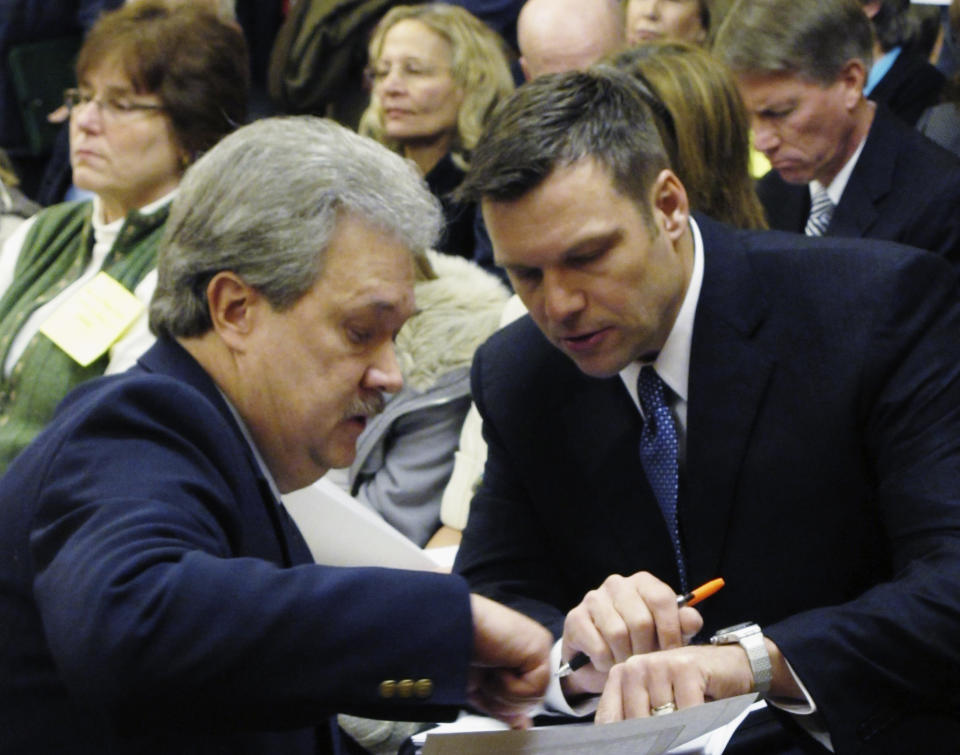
[(436, 72), (157, 86)]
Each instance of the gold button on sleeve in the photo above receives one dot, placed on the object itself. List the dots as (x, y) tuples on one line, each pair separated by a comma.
[(423, 688)]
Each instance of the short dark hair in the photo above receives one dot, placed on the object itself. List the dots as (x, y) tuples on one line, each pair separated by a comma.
[(891, 23), (559, 119), (196, 63)]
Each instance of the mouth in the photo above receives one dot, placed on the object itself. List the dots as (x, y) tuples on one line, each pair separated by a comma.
[(358, 414), (584, 342), (645, 35), (85, 154), (358, 422)]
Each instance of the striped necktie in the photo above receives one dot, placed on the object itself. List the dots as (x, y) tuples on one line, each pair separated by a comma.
[(659, 455), (821, 210)]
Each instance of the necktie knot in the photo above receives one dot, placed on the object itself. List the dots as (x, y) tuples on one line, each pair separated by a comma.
[(821, 211)]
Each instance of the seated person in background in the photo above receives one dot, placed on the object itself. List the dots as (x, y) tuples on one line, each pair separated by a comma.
[(157, 87), (437, 72), (842, 166), (155, 597), (706, 120), (687, 20), (688, 400), (901, 78), (708, 143), (405, 455), (941, 123), (15, 207), (567, 35), (28, 22)]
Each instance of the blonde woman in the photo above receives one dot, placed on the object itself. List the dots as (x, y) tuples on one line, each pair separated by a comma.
[(436, 73)]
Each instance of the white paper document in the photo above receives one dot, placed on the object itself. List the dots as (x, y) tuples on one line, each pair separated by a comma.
[(638, 736), (341, 531)]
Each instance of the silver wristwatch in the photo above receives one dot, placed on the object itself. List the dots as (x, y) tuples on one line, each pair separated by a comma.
[(750, 638)]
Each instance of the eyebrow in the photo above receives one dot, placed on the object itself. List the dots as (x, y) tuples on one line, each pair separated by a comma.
[(586, 247)]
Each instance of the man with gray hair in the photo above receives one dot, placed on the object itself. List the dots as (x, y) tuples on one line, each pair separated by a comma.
[(842, 166), (155, 597), (567, 35)]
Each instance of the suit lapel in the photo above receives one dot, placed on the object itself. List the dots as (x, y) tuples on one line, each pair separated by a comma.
[(870, 181), (603, 426), (729, 373), (168, 357)]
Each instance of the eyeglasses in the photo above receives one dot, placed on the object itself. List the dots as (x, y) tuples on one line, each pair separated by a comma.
[(113, 107)]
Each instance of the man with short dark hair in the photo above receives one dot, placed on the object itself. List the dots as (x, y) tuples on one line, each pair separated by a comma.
[(842, 166), (687, 401), (155, 597)]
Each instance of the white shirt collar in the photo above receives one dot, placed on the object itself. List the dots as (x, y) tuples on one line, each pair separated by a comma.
[(99, 226), (673, 362), (839, 182)]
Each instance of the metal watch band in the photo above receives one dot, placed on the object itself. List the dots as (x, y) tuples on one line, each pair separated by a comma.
[(750, 638)]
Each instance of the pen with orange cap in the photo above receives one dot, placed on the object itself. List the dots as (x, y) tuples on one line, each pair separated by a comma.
[(688, 599)]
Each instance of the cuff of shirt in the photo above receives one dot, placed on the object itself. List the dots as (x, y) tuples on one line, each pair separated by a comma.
[(554, 702), (804, 712)]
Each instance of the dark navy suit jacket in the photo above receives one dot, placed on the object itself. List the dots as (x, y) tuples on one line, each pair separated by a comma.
[(903, 188), (910, 86), (155, 598), (822, 473)]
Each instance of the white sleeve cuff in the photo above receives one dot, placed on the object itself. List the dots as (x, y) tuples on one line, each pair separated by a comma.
[(554, 702)]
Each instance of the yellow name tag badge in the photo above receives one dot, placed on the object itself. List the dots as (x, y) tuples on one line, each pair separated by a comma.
[(93, 319)]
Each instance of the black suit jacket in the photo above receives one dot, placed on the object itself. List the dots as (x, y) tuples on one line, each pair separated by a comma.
[(155, 598), (903, 188), (821, 477), (910, 86)]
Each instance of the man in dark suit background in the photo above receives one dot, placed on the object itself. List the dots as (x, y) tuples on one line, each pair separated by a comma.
[(842, 166), (155, 597), (901, 77), (810, 403)]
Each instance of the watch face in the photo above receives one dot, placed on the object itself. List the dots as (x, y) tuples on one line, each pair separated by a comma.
[(730, 634)]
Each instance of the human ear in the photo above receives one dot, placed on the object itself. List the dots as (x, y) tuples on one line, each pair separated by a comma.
[(671, 202), (853, 77), (233, 306)]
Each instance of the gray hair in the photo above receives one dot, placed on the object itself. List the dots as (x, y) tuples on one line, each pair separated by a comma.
[(557, 120), (264, 203), (813, 39)]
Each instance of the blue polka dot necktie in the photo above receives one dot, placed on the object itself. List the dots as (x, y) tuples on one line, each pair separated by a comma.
[(659, 449)]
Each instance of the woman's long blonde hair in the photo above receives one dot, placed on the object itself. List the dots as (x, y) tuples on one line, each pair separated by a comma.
[(480, 68)]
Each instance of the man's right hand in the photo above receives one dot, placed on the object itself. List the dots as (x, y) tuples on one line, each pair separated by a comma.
[(510, 669), (625, 616)]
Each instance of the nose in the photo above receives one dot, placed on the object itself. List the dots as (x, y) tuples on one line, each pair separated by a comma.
[(649, 8), (561, 298), (394, 81), (88, 116), (384, 374), (765, 137)]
